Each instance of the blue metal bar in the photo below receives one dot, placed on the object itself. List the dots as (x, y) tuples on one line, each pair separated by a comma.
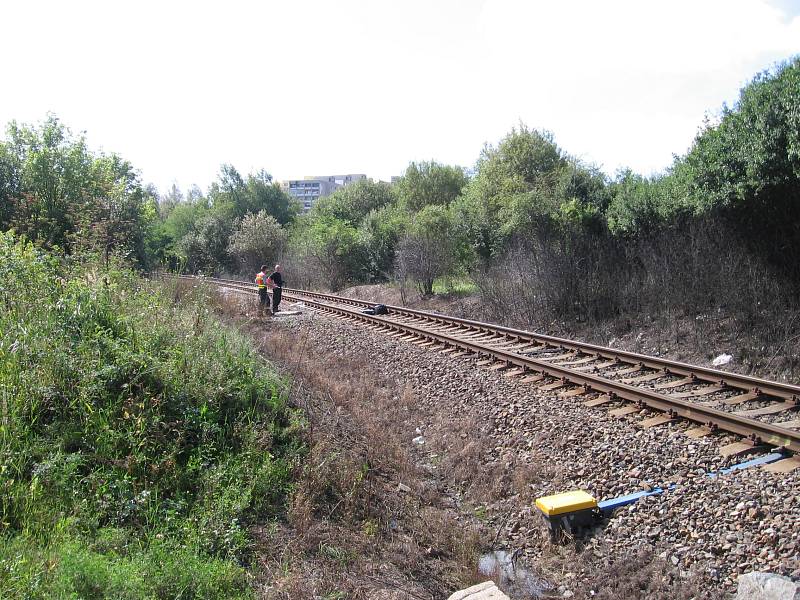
[(614, 503), (608, 506), (761, 460)]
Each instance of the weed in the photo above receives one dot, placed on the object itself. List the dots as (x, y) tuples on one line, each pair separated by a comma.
[(351, 529), (370, 528), (480, 513), (139, 439)]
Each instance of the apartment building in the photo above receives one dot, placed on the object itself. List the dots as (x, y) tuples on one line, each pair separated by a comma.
[(311, 188)]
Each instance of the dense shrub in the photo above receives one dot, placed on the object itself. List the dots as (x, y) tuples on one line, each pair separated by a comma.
[(128, 414), (698, 266)]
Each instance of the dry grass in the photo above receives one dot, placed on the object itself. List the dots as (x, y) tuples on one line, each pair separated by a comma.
[(353, 532), (365, 520), (691, 291), (641, 575)]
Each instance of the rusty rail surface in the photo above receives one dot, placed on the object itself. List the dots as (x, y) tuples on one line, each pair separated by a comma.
[(509, 346)]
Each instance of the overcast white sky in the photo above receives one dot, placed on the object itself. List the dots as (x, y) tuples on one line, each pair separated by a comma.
[(358, 86)]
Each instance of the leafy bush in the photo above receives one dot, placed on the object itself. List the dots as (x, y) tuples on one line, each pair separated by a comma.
[(123, 410), (428, 250), (747, 167), (427, 183), (258, 239), (328, 249)]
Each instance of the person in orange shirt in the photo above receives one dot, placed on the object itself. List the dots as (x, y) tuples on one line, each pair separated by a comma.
[(261, 282)]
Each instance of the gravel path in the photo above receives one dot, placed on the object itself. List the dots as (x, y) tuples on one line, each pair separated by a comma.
[(532, 443)]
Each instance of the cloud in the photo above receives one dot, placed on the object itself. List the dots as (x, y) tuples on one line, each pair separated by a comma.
[(676, 37), (626, 83), (313, 86)]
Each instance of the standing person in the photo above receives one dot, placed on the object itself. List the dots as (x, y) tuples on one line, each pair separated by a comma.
[(277, 281), (261, 282)]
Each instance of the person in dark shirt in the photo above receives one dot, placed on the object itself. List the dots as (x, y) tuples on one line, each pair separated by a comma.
[(277, 282)]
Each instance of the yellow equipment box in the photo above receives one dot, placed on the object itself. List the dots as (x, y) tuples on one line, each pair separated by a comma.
[(566, 502)]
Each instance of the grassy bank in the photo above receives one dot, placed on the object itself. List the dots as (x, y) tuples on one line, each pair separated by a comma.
[(139, 437)]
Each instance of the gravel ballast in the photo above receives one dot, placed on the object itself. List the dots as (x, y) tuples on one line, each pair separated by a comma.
[(536, 443)]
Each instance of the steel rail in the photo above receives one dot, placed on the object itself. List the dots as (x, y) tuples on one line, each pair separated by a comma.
[(786, 391), (756, 431)]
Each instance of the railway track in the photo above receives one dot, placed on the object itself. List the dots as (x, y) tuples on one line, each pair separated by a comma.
[(762, 412)]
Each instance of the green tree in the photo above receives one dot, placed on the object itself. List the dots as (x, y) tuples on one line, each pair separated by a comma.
[(58, 193), (351, 235), (330, 248), (427, 251), (205, 248), (753, 154), (524, 189), (169, 201), (582, 184), (9, 185), (231, 188), (429, 183), (54, 175), (379, 233), (266, 195), (353, 202), (111, 218), (522, 170), (257, 239), (248, 196), (746, 168), (640, 206), (181, 219)]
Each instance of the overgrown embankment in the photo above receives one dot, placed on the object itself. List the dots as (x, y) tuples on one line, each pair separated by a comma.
[(369, 516), (139, 437)]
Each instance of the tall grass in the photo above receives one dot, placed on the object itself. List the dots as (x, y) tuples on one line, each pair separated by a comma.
[(138, 436)]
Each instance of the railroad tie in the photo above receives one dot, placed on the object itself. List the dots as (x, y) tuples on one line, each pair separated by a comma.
[(697, 432), (674, 384), (515, 372), (740, 399), (604, 399), (701, 391), (656, 421), (738, 448), (553, 386), (625, 410), (772, 409), (787, 465), (578, 391), (643, 378)]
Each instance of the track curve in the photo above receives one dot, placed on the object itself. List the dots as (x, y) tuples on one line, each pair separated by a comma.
[(712, 398)]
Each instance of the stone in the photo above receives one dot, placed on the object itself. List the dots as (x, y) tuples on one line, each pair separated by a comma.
[(723, 521), (483, 591), (766, 586), (722, 359)]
